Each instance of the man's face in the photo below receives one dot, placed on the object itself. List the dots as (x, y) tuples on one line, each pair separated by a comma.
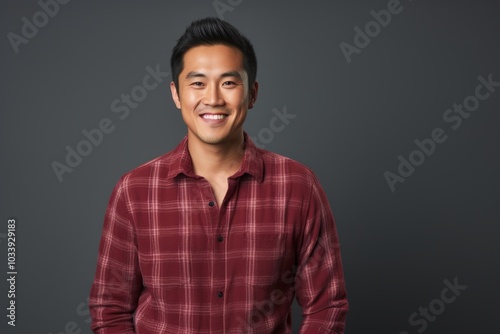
[(213, 94)]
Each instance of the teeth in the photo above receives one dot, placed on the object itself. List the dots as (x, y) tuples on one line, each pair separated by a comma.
[(209, 116)]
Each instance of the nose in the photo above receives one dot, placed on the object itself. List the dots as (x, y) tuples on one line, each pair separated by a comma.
[(213, 96)]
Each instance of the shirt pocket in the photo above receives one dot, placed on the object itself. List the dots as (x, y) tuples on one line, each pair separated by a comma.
[(264, 253)]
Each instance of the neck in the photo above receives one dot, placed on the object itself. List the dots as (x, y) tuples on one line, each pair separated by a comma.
[(216, 160)]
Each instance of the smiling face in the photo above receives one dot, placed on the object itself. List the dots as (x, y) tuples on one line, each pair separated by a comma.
[(213, 94)]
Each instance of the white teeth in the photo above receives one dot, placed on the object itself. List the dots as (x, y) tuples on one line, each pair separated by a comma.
[(210, 116)]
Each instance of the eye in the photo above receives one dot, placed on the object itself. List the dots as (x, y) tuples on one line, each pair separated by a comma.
[(229, 83), (197, 84)]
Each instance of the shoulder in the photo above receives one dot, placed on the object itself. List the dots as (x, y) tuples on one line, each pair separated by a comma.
[(156, 169), (294, 181), (290, 170)]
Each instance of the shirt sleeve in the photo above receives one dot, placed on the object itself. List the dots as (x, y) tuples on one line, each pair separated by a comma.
[(319, 283), (117, 283)]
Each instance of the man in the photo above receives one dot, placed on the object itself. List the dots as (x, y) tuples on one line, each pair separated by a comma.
[(217, 236)]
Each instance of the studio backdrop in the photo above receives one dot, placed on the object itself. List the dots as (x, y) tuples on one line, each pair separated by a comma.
[(393, 104)]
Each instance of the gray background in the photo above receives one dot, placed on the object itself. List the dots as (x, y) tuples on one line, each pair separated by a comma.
[(353, 121)]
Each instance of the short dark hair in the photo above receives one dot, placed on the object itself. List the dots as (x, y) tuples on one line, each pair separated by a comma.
[(213, 31)]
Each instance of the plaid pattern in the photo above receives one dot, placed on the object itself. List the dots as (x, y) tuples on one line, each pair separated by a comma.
[(171, 261)]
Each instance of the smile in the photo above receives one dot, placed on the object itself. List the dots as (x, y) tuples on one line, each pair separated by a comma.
[(213, 116)]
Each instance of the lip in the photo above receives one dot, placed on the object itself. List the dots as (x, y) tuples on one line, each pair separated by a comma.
[(214, 118)]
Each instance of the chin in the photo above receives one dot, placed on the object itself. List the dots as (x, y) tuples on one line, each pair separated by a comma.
[(212, 139), (216, 138)]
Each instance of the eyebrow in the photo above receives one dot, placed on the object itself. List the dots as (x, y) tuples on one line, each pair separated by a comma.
[(193, 74)]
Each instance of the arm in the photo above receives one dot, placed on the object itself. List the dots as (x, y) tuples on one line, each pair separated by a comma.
[(319, 284), (117, 282)]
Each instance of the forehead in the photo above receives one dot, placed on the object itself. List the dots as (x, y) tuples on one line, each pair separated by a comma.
[(211, 58)]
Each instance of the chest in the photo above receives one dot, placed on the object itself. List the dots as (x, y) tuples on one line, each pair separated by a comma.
[(219, 187), (252, 236)]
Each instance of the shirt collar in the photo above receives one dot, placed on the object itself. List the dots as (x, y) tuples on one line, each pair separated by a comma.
[(252, 164)]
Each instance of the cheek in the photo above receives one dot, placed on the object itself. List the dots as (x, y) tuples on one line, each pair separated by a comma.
[(189, 98), (237, 98)]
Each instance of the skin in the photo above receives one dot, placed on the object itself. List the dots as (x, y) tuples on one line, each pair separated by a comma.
[(214, 82)]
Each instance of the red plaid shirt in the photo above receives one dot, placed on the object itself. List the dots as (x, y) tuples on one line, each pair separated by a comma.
[(171, 261)]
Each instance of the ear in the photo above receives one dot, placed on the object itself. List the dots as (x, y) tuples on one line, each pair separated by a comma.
[(175, 95), (254, 90)]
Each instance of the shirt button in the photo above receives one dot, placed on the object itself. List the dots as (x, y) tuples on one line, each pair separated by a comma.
[(220, 294), (211, 203), (220, 238)]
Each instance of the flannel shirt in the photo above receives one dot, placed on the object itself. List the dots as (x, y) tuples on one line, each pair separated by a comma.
[(171, 260)]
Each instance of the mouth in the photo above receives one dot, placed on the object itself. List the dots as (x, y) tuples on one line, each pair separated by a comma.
[(213, 116)]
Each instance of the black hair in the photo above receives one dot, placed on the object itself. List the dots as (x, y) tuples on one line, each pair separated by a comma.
[(213, 31)]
